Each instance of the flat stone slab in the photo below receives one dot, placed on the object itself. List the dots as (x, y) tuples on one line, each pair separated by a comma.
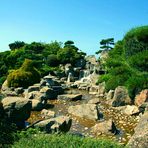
[(70, 97), (88, 111)]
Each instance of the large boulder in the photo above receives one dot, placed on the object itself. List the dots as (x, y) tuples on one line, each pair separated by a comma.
[(37, 105), (141, 98), (46, 114), (94, 101), (89, 111), (140, 137), (110, 95), (121, 97), (19, 90), (45, 93), (57, 124), (5, 90), (129, 109), (91, 59), (17, 108), (105, 127), (70, 97), (49, 93), (98, 89), (33, 88)]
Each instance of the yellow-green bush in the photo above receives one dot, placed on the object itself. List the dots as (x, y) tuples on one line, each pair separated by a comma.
[(25, 76)]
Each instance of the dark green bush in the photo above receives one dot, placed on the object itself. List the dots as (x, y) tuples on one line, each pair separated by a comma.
[(136, 83), (139, 61), (25, 76), (7, 133), (128, 62), (136, 40), (2, 79), (103, 78), (52, 60)]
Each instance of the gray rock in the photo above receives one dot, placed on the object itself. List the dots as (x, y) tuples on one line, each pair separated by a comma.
[(17, 108), (49, 93), (129, 109), (110, 95), (35, 95), (5, 90), (140, 137), (80, 63), (97, 89), (141, 98), (121, 97), (19, 90), (46, 114), (43, 83), (94, 101), (57, 124), (37, 105), (106, 127), (70, 97), (69, 69), (89, 111), (33, 88)]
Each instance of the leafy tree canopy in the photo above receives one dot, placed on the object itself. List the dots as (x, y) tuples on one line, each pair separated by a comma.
[(16, 45)]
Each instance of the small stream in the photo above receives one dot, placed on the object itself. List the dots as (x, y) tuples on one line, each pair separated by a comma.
[(125, 124)]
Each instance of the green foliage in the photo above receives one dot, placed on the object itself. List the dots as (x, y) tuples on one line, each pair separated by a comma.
[(103, 78), (2, 79), (136, 83), (139, 61), (52, 48), (25, 76), (52, 60), (45, 70), (45, 57), (64, 141), (128, 62), (35, 47), (16, 45), (7, 133), (69, 54), (136, 40), (106, 44)]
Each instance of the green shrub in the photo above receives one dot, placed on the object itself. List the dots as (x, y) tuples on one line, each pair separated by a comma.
[(64, 141), (103, 78), (136, 40), (45, 70), (52, 60), (139, 61), (24, 76), (7, 133), (136, 83), (127, 63), (2, 79)]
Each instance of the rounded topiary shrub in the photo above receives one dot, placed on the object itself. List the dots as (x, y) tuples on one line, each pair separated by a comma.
[(25, 76), (52, 60)]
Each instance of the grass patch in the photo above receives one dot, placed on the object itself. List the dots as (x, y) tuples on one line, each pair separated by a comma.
[(63, 141)]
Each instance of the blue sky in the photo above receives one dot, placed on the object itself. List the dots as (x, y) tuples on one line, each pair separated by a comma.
[(85, 22)]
